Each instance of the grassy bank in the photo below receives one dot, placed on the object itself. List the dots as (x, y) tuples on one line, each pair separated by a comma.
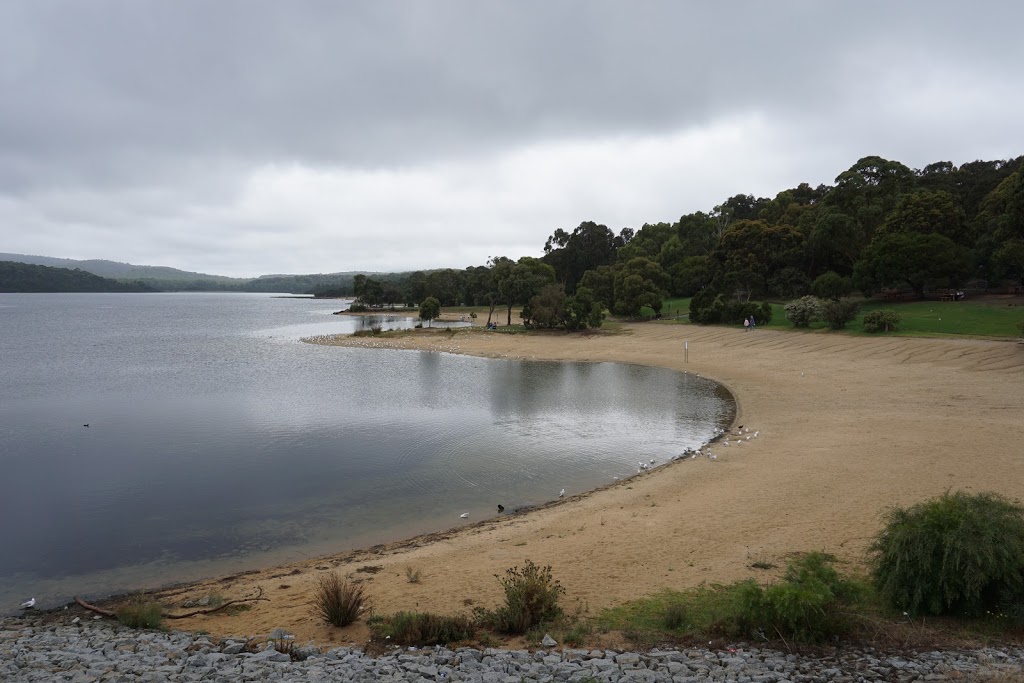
[(991, 317)]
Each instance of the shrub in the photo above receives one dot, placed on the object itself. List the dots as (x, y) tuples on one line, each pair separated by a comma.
[(837, 313), (958, 553), (531, 599), (881, 320), (412, 574), (832, 285), (140, 614), (804, 606), (702, 308), (358, 308), (706, 308), (675, 615), (422, 628), (803, 311), (338, 602), (647, 313)]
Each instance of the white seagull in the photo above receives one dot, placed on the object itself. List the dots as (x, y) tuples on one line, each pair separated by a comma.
[(464, 515), (28, 604), (561, 494)]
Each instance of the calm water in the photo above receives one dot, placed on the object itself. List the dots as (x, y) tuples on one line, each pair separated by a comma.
[(218, 441)]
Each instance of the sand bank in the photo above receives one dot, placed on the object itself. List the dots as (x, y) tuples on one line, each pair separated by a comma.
[(848, 425)]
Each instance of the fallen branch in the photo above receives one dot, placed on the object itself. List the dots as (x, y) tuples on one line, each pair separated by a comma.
[(94, 608), (165, 615), (258, 596)]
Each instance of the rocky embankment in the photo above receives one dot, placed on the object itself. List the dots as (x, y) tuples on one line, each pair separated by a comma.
[(82, 650)]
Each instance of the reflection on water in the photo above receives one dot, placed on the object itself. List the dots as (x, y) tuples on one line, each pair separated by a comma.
[(217, 441)]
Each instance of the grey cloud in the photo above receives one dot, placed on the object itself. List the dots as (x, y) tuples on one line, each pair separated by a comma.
[(119, 88), (144, 115)]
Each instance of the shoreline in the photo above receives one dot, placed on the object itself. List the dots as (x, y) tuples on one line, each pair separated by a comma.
[(849, 426)]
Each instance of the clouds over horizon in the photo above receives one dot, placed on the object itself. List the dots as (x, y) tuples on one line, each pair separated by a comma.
[(243, 138)]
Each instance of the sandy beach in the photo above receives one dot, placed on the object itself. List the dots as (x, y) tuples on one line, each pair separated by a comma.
[(847, 426)]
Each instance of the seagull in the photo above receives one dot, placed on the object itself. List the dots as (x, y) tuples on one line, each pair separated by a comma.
[(85, 425), (561, 494), (756, 433), (464, 515), (28, 604)]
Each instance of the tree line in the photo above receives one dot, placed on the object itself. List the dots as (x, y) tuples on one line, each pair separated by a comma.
[(880, 225)]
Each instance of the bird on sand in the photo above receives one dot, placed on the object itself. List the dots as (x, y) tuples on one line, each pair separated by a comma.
[(561, 494), (28, 604), (501, 508), (464, 515)]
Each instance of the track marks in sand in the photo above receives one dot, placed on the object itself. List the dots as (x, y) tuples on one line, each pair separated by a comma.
[(975, 355)]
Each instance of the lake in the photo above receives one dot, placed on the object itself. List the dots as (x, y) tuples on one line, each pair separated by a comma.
[(217, 441)]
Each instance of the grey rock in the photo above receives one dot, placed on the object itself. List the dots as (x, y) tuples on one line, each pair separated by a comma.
[(548, 641)]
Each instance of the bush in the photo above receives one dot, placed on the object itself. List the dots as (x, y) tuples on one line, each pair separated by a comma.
[(139, 614), (358, 308), (803, 311), (531, 599), (958, 554), (706, 308), (338, 602), (804, 606), (881, 320), (832, 285), (674, 616), (837, 313), (422, 628)]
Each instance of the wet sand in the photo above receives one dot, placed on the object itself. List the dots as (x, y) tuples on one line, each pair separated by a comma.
[(847, 426)]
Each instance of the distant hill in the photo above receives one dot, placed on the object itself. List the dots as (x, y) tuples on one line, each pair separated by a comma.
[(27, 277), (168, 279), (120, 271)]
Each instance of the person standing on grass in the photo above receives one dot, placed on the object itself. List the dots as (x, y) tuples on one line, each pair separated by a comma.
[(746, 324)]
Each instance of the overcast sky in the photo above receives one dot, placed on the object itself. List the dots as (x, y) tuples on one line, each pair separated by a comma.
[(250, 137)]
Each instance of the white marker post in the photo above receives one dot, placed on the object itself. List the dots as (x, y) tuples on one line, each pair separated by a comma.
[(686, 351)]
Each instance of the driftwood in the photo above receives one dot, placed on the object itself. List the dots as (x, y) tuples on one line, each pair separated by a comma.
[(258, 596), (94, 608), (165, 615)]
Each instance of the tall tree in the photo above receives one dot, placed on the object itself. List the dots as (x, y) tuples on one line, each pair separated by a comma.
[(916, 259), (751, 251), (869, 190), (925, 212), (518, 283), (640, 282), (589, 246)]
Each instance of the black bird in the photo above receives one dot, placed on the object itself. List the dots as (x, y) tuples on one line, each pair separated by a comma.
[(501, 508), (85, 425)]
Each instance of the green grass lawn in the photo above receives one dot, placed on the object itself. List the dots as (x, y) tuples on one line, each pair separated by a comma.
[(979, 317)]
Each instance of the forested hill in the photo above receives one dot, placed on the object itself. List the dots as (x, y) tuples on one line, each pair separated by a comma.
[(25, 277), (167, 279)]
